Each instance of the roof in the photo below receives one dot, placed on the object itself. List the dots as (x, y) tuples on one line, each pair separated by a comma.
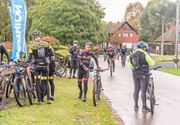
[(116, 26), (111, 29), (168, 37)]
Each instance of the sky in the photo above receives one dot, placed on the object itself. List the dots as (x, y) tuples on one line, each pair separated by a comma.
[(115, 9)]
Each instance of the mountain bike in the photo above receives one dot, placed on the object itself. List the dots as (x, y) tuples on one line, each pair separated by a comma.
[(110, 65), (6, 72), (61, 69), (123, 60), (23, 84), (97, 85), (151, 91), (30, 83)]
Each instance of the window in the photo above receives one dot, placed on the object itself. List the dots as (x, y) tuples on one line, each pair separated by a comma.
[(131, 35), (125, 34)]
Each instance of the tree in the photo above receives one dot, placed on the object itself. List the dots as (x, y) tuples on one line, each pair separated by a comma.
[(5, 29), (132, 14), (68, 20), (151, 23)]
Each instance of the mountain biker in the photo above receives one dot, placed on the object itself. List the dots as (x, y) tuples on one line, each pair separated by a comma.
[(3, 51), (74, 52), (83, 71), (40, 51), (111, 55), (52, 66), (140, 62), (123, 51)]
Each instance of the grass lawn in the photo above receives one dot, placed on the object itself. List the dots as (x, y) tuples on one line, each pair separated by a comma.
[(172, 71), (163, 59), (66, 110)]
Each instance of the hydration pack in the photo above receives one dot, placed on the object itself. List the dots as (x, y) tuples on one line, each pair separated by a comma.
[(136, 60)]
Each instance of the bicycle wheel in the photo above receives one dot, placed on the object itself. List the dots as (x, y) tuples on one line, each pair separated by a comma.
[(99, 89), (152, 96), (29, 89), (111, 70), (95, 96), (20, 91), (9, 87), (151, 102)]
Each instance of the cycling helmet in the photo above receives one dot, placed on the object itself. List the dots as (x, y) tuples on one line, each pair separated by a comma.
[(36, 33), (141, 45), (75, 42)]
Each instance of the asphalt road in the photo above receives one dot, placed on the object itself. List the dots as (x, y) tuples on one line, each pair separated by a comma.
[(119, 92)]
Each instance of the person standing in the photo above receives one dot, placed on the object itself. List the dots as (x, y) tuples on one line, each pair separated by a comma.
[(140, 61), (40, 51), (52, 66), (74, 52), (3, 51)]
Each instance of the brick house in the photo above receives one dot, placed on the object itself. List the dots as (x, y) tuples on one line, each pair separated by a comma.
[(125, 34)]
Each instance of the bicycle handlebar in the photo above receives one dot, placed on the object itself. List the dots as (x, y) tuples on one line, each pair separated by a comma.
[(155, 68)]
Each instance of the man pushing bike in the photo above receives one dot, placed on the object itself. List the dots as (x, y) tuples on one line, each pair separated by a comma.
[(140, 61), (41, 51), (83, 71)]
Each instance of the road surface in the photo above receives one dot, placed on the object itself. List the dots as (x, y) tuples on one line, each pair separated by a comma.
[(119, 90)]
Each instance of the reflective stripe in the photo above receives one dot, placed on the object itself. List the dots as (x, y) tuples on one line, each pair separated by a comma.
[(39, 77), (44, 77), (51, 77), (30, 51)]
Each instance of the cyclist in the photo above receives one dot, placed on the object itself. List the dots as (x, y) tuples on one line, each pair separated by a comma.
[(123, 52), (3, 51), (74, 52), (52, 66), (111, 55), (140, 62), (40, 50), (83, 71)]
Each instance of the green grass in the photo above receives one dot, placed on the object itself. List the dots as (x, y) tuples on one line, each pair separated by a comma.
[(66, 110), (172, 71), (163, 58)]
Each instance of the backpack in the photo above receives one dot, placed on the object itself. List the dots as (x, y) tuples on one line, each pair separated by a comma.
[(136, 60)]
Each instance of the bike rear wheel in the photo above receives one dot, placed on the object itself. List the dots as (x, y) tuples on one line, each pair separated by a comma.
[(95, 92), (20, 91), (152, 96), (111, 70), (9, 87)]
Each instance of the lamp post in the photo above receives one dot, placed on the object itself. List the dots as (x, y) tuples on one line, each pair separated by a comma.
[(177, 33), (162, 33)]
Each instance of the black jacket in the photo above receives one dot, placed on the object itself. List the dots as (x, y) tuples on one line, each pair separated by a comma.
[(3, 51)]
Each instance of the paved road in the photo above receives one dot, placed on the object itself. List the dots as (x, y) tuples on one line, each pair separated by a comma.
[(119, 90), (167, 65)]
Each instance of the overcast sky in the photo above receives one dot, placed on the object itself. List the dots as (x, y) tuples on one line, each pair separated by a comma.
[(115, 9)]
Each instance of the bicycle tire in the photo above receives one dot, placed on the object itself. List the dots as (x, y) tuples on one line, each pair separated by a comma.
[(99, 89), (152, 96), (29, 90), (18, 82), (9, 87), (151, 99), (111, 68), (95, 98)]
